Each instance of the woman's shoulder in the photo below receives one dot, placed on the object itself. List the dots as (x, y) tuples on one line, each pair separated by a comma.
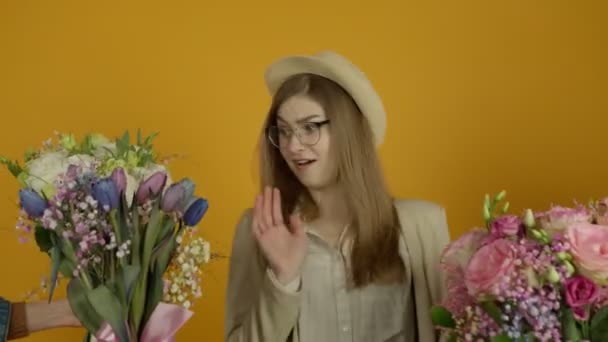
[(418, 208), (428, 219)]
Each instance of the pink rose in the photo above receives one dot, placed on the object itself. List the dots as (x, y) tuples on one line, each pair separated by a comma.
[(589, 249), (581, 292), (581, 313), (505, 226), (454, 261), (558, 219), (459, 252), (489, 266)]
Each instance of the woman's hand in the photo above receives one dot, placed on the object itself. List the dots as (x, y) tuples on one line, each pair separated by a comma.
[(284, 247)]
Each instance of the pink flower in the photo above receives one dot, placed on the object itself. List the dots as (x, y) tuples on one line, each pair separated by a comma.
[(589, 248), (459, 252), (581, 292), (455, 259), (151, 187), (489, 266), (558, 219), (505, 226), (581, 313)]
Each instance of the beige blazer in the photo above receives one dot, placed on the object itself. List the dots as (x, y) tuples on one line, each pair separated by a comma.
[(256, 310)]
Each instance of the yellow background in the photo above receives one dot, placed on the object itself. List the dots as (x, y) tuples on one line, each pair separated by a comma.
[(480, 95)]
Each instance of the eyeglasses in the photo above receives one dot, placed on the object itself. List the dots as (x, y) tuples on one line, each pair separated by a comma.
[(307, 134)]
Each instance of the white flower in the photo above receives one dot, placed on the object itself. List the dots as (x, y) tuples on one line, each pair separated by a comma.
[(187, 304), (206, 251), (43, 171), (80, 160), (101, 145), (132, 185)]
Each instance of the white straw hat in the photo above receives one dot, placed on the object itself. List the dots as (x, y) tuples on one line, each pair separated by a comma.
[(337, 68)]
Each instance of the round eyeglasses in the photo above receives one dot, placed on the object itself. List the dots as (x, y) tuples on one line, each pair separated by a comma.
[(308, 134)]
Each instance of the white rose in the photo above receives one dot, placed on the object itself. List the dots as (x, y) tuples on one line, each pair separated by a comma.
[(80, 160), (43, 171)]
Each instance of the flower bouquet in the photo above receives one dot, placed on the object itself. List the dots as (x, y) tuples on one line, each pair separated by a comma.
[(531, 277), (114, 224)]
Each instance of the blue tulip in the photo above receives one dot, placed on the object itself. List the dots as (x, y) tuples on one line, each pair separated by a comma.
[(195, 212), (33, 204), (189, 187), (105, 192)]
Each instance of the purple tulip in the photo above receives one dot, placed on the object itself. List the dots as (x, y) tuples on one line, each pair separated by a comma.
[(195, 212), (151, 187), (120, 179), (172, 198), (33, 204)]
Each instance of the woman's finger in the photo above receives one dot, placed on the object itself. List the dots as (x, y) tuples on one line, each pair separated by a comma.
[(277, 215), (267, 208), (258, 221)]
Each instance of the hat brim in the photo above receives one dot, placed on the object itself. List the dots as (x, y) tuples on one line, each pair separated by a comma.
[(339, 70)]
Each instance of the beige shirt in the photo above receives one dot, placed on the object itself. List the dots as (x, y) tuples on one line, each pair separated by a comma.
[(259, 309)]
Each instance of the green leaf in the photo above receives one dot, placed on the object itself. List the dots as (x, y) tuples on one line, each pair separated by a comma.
[(13, 167), (66, 268), (155, 293), (149, 139), (43, 238), (569, 326), (162, 256), (135, 237), (56, 258), (599, 325), (82, 308), (122, 144), (492, 310), (150, 235), (110, 152), (442, 317), (130, 273), (123, 213), (108, 306), (501, 338), (167, 229), (139, 136)]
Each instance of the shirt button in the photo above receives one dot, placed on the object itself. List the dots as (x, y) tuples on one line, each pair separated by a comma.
[(346, 328)]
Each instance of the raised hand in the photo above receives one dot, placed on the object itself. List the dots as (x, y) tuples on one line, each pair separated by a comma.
[(283, 246)]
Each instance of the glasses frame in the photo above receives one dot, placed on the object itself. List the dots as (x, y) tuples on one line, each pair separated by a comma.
[(297, 133)]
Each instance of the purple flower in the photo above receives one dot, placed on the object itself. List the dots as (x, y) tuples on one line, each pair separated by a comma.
[(33, 204), (120, 179), (151, 187), (195, 212), (106, 194), (173, 197), (507, 225), (179, 196), (581, 292)]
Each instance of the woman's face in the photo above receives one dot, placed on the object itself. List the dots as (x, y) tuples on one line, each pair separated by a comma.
[(302, 133)]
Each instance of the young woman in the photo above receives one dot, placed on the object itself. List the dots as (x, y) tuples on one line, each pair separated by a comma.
[(326, 254)]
